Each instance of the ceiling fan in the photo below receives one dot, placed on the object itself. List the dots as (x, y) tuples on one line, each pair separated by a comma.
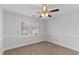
[(46, 11)]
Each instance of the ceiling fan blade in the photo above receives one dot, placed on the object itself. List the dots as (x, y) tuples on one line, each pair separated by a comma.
[(49, 16), (40, 16), (55, 10)]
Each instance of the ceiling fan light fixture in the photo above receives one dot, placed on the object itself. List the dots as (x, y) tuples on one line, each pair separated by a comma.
[(44, 15), (46, 12)]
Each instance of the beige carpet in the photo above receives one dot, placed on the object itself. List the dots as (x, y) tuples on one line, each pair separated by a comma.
[(41, 48)]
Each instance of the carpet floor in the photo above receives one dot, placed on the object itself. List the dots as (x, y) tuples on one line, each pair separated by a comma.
[(41, 48)]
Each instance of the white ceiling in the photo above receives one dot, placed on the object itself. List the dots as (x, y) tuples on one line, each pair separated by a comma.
[(32, 9)]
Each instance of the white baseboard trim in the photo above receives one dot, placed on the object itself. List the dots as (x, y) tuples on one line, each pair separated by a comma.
[(66, 46), (22, 45)]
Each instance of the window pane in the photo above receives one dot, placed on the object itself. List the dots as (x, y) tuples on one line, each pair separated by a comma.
[(29, 28)]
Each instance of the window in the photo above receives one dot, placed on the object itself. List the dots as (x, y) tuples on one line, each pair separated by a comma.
[(29, 28)]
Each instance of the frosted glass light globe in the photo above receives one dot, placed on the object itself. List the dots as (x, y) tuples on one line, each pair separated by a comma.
[(42, 15), (46, 14)]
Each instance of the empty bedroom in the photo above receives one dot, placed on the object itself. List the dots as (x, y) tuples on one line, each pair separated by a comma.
[(39, 29)]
